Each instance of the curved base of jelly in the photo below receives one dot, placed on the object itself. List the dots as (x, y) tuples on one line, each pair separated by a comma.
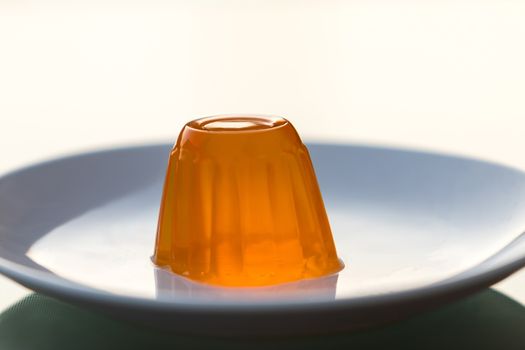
[(252, 280)]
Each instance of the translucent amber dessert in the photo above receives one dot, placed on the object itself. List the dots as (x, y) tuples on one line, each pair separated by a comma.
[(241, 205)]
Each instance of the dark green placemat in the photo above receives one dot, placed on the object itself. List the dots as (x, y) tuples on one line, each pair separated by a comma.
[(488, 320)]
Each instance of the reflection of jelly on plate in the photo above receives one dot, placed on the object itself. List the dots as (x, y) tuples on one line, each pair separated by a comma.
[(241, 205)]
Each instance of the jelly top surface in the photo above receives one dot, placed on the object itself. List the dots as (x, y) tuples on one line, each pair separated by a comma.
[(237, 123), (237, 135)]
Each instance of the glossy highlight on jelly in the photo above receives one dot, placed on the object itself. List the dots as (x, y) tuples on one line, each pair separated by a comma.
[(241, 205)]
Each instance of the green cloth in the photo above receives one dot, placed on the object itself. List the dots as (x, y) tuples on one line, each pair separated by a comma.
[(487, 320)]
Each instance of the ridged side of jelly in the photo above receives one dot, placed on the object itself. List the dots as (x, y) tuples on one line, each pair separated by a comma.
[(244, 213)]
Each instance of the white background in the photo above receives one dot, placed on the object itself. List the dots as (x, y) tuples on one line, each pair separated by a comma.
[(444, 75)]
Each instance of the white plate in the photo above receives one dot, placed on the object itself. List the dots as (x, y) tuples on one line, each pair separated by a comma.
[(414, 229)]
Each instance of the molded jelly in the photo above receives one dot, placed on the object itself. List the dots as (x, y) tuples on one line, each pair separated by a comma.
[(241, 205)]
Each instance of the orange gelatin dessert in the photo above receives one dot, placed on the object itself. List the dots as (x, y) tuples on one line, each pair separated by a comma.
[(241, 205)]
